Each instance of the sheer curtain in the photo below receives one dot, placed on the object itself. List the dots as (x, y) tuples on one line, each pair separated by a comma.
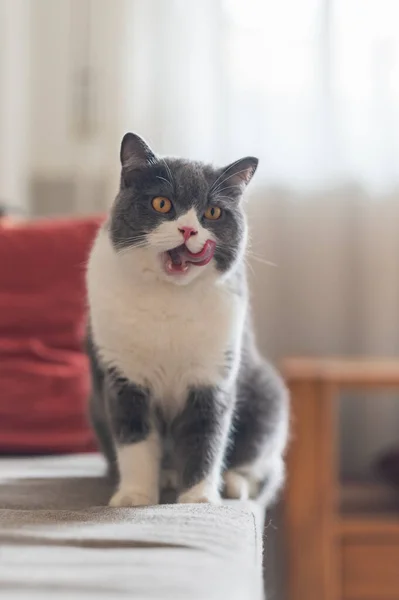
[(312, 88), (317, 83), (14, 69), (309, 86)]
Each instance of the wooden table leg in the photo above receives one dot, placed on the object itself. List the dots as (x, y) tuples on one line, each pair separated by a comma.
[(310, 499)]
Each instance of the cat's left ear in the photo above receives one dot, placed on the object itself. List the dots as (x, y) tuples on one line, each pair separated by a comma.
[(239, 173), (135, 153)]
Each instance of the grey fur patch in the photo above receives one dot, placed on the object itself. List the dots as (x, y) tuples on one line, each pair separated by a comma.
[(119, 410), (129, 409), (97, 407), (262, 404), (198, 433)]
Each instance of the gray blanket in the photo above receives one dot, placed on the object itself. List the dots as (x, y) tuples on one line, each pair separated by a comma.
[(58, 539)]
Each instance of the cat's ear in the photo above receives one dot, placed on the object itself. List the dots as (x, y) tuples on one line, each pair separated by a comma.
[(239, 173), (135, 153)]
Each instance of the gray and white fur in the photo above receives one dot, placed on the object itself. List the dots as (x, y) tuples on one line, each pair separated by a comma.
[(181, 396)]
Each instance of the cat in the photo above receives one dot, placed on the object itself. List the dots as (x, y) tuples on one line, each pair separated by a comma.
[(180, 394)]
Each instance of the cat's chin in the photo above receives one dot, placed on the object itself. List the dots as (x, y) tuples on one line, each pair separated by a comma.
[(180, 277), (172, 269)]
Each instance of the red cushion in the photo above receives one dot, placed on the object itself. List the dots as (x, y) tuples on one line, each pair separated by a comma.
[(44, 382)]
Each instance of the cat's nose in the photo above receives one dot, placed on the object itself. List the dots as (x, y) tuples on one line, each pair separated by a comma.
[(187, 232)]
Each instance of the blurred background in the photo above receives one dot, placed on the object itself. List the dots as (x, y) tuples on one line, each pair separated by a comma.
[(311, 87)]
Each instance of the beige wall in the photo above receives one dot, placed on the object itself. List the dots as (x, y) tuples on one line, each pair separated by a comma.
[(14, 100), (61, 114), (334, 291)]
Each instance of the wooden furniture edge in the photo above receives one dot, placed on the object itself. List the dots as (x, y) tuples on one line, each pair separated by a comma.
[(343, 371)]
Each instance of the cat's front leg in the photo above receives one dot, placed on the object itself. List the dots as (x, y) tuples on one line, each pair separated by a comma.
[(200, 437), (137, 443)]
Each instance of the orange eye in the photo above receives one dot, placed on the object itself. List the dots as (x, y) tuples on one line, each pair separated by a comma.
[(213, 213), (161, 204)]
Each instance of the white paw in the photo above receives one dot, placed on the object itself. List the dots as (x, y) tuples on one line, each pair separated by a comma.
[(126, 497), (236, 486), (200, 493), (188, 498)]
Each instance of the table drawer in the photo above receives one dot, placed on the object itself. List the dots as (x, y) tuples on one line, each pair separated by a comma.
[(370, 569)]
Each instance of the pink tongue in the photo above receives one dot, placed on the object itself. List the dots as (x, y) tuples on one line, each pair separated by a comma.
[(203, 256), (181, 257)]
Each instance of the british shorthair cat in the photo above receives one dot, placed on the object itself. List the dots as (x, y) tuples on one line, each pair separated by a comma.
[(181, 396)]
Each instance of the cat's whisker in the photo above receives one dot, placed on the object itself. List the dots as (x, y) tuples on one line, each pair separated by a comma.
[(165, 180), (169, 172), (222, 197), (260, 259), (252, 243), (229, 187), (129, 239), (224, 173), (248, 264), (232, 174), (122, 249), (136, 239)]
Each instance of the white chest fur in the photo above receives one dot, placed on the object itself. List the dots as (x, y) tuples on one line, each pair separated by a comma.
[(160, 335)]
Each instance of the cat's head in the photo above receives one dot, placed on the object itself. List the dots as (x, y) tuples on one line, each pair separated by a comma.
[(181, 218)]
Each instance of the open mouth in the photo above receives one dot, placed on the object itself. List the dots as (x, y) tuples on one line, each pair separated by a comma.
[(177, 260)]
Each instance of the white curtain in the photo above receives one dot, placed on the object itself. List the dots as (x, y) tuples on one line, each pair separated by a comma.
[(14, 71), (311, 87)]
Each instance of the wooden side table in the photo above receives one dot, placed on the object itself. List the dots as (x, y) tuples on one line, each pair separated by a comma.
[(333, 554)]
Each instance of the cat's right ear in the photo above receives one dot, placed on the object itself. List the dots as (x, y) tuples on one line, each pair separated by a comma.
[(135, 153)]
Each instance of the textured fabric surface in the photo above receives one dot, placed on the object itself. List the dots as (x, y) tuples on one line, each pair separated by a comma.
[(43, 371), (59, 540)]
